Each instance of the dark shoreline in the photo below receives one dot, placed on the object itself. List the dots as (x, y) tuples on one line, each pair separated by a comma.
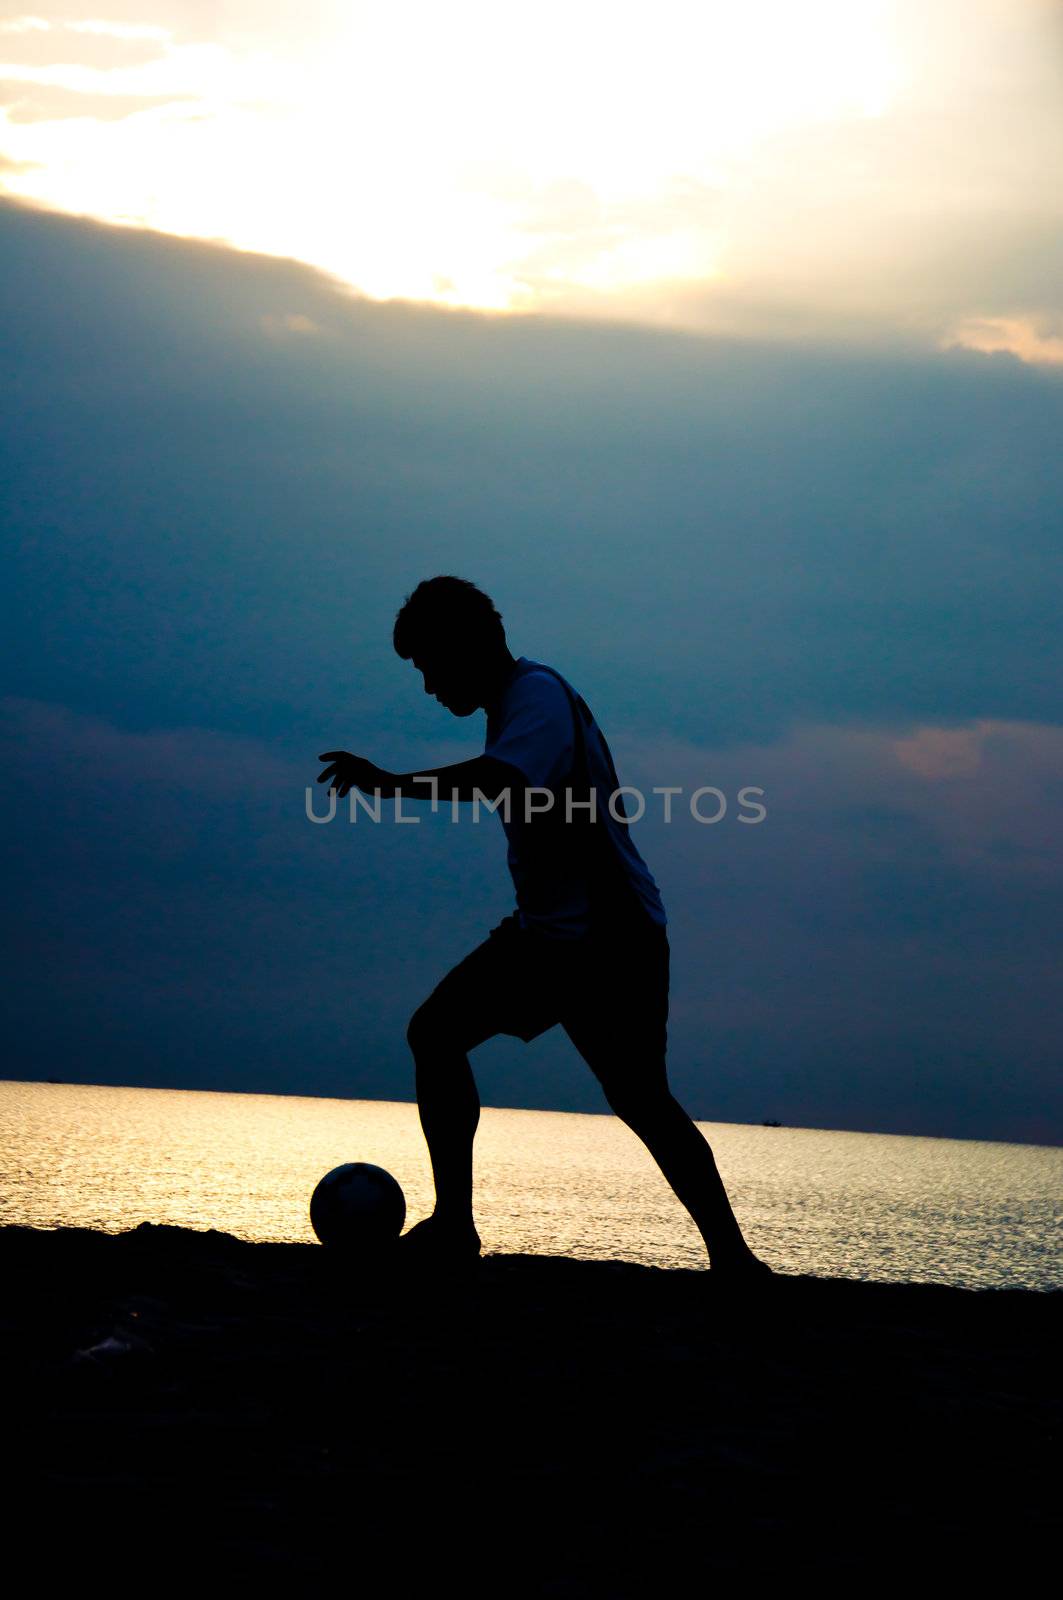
[(550, 1427)]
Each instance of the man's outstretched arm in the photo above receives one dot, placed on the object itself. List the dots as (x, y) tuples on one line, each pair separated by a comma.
[(483, 777)]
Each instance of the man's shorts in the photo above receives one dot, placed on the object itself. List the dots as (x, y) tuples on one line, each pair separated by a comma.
[(609, 993)]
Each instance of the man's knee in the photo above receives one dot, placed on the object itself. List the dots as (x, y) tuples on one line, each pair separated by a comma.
[(435, 1029), (423, 1029), (640, 1104)]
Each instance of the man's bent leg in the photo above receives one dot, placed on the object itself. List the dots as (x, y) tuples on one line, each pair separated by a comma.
[(486, 993), (449, 1109)]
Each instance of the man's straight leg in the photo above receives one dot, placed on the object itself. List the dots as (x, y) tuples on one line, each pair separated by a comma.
[(685, 1158), (619, 1028)]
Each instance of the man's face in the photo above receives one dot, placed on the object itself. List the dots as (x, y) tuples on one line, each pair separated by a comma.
[(452, 679)]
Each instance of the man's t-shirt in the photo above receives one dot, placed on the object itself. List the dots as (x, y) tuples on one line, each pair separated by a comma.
[(531, 726)]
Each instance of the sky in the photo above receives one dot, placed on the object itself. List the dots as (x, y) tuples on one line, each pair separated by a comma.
[(723, 353), (831, 169)]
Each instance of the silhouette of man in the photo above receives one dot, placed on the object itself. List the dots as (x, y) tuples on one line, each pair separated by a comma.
[(587, 945)]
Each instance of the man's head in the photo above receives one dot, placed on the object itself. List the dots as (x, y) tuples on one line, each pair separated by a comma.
[(452, 633)]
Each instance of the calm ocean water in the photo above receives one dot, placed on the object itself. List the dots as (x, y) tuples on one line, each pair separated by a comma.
[(853, 1205)]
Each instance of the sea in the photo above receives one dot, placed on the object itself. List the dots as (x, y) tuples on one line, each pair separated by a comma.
[(811, 1201)]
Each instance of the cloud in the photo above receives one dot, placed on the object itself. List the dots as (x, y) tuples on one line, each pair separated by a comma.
[(238, 22), (983, 797), (829, 574), (942, 753), (879, 177), (915, 222), (34, 102), (93, 751), (1014, 336), (902, 918), (884, 932), (287, 322), (99, 46)]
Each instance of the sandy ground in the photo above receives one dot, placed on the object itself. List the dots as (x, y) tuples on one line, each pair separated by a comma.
[(189, 1406)]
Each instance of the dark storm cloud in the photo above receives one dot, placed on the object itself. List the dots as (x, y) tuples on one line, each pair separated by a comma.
[(222, 474)]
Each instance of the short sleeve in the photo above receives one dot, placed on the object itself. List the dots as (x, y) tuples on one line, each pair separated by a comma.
[(536, 735)]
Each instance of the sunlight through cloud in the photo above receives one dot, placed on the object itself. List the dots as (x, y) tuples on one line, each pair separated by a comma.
[(764, 167)]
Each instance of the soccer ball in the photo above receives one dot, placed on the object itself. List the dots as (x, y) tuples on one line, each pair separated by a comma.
[(357, 1208)]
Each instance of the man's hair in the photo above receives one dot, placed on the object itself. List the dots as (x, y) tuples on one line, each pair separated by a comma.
[(448, 614)]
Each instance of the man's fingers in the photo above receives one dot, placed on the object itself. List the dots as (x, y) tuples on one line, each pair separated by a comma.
[(344, 771)]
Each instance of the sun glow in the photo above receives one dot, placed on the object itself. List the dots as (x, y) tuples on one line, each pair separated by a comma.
[(472, 155)]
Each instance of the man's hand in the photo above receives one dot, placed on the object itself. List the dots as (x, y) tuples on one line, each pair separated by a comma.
[(348, 772)]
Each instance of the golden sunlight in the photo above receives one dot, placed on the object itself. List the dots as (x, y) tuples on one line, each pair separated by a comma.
[(474, 156)]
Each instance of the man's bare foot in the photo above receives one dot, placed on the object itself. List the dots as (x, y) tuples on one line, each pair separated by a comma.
[(438, 1241), (743, 1267)]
